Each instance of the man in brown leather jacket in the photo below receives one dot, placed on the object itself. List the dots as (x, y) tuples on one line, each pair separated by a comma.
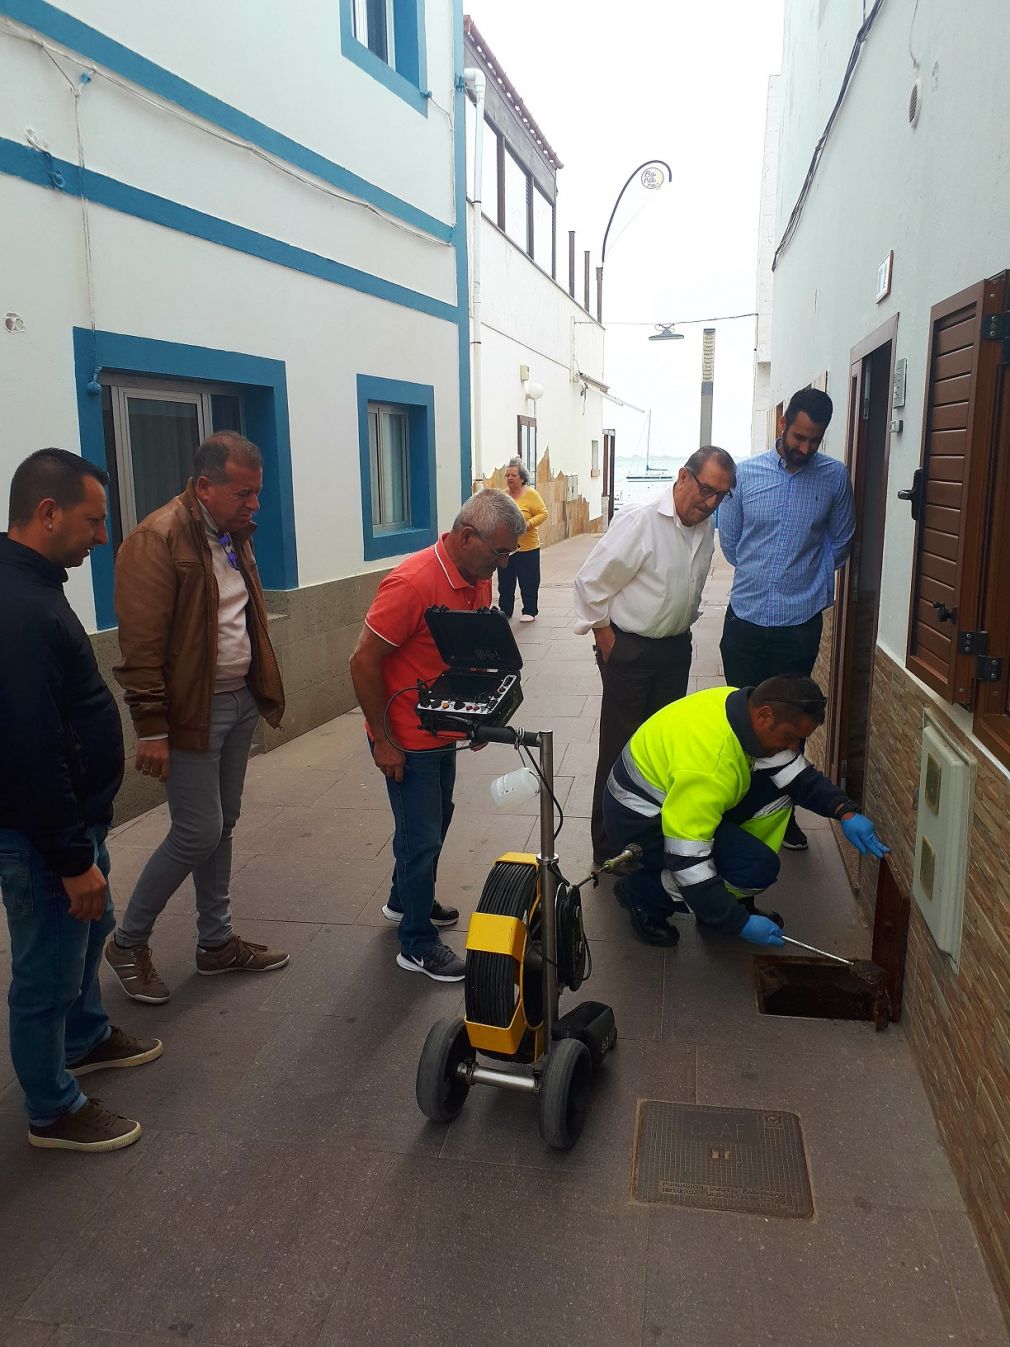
[(199, 671)]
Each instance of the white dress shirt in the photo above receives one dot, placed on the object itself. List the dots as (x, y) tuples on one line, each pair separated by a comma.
[(646, 573)]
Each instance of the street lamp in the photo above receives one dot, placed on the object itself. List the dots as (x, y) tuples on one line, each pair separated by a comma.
[(665, 332), (654, 174)]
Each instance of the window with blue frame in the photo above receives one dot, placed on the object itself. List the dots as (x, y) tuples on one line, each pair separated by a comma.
[(396, 442), (144, 405), (386, 38), (152, 428)]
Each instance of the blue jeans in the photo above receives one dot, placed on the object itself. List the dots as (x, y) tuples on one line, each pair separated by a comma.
[(740, 859), (56, 1013), (422, 811)]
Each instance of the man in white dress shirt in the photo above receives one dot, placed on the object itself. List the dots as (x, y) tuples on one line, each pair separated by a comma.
[(638, 592)]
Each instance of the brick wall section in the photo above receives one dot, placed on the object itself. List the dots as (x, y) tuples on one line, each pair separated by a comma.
[(958, 1023)]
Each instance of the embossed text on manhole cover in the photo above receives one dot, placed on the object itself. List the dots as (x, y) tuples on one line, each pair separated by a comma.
[(724, 1159)]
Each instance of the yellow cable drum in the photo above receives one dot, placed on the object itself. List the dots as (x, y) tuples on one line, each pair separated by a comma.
[(502, 987)]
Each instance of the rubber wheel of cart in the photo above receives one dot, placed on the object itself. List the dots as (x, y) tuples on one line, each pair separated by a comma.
[(564, 1093), (441, 1091)]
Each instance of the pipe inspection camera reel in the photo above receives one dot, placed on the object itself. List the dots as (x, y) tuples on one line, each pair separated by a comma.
[(526, 943)]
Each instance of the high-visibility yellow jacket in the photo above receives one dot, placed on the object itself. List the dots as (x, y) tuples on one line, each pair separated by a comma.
[(696, 762)]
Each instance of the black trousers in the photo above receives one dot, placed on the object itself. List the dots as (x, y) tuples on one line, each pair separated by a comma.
[(524, 567), (641, 676), (750, 653)]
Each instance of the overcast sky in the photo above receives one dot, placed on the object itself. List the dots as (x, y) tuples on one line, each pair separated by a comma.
[(611, 84)]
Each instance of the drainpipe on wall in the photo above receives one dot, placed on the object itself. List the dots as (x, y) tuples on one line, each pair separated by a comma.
[(475, 82)]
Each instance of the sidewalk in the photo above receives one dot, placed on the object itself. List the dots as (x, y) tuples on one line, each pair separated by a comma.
[(288, 1191)]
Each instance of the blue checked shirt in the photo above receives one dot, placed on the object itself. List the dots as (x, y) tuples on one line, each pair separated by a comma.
[(786, 534)]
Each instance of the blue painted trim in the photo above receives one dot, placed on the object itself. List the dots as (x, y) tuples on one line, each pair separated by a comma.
[(408, 79), (262, 385), (105, 51), (419, 400), (21, 161), (461, 243)]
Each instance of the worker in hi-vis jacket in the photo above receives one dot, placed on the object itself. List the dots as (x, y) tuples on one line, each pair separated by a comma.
[(706, 787)]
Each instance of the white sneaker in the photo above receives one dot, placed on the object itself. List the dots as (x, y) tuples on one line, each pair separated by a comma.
[(527, 617)]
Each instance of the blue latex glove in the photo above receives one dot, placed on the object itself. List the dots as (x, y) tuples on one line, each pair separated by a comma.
[(861, 833), (761, 931)]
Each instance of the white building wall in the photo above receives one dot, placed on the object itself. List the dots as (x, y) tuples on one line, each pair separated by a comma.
[(937, 194), (762, 421), (150, 281), (283, 65), (528, 319)]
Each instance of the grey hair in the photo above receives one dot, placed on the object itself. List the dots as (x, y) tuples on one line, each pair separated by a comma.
[(517, 463), (710, 451), (487, 511)]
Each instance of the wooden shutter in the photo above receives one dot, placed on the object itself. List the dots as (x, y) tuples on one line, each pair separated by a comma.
[(949, 535)]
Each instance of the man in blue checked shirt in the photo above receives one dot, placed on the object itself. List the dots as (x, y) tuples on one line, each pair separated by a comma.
[(786, 529)]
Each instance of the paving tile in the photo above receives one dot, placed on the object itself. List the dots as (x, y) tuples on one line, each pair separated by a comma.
[(68, 1335), (710, 999), (579, 760), (294, 786), (174, 948), (857, 1274), (24, 1333), (982, 1323), (327, 833), (545, 706), (317, 888), (252, 1243), (208, 1053), (630, 979), (499, 1127), (513, 1287), (697, 1280), (343, 1062), (47, 1200), (569, 681), (860, 1105)]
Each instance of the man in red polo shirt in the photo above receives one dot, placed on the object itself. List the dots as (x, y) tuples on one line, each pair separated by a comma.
[(394, 650)]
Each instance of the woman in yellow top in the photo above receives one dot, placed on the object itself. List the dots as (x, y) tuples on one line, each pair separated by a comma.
[(524, 565)]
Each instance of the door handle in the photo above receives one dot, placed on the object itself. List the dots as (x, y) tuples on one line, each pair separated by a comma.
[(914, 493)]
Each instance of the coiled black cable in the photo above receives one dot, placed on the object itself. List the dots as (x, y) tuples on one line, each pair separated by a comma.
[(489, 985)]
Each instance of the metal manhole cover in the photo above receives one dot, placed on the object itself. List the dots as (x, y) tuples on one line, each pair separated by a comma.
[(723, 1159)]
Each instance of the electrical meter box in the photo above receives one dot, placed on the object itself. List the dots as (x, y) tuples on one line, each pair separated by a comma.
[(946, 781)]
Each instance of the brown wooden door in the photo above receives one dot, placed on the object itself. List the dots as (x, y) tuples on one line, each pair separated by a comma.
[(950, 496)]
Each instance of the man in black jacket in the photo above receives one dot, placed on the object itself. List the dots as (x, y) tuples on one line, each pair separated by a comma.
[(60, 769)]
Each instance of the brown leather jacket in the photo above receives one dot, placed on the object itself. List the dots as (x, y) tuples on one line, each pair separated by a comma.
[(166, 601)]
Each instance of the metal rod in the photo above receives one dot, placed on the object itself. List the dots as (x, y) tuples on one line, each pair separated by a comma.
[(814, 950), (548, 891), (503, 1080)]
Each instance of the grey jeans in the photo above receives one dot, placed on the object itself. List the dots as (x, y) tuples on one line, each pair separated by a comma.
[(204, 797)]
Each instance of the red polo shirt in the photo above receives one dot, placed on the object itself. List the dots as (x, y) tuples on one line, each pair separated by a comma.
[(397, 615)]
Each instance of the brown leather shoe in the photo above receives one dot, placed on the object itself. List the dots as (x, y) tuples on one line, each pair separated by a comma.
[(91, 1128), (119, 1049), (238, 956)]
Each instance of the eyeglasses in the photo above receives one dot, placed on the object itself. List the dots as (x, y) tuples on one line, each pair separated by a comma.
[(709, 492), (502, 553), (225, 540)]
